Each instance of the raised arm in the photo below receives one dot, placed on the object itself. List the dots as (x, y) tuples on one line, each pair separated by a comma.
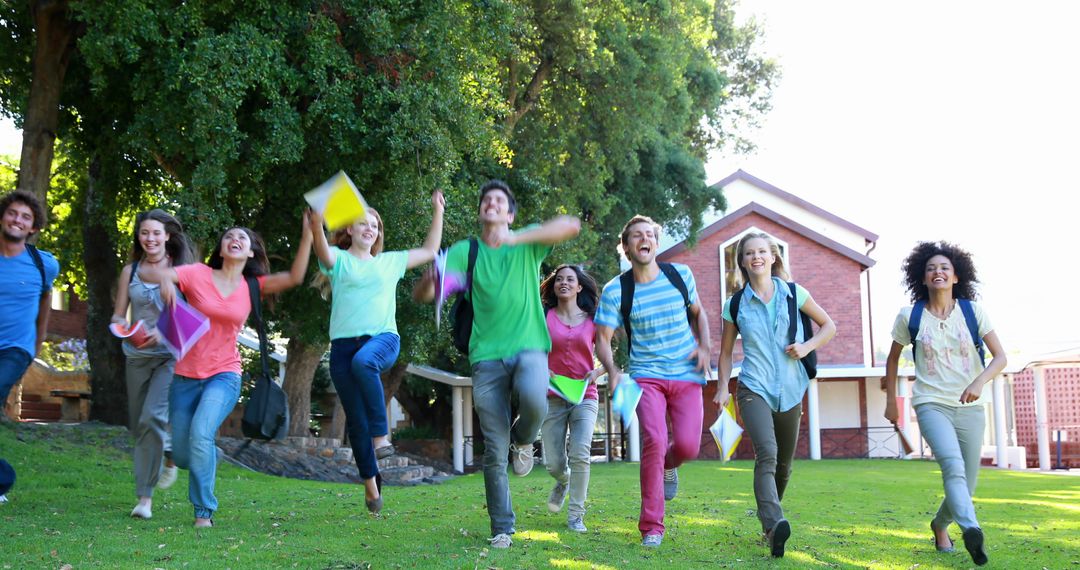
[(604, 355), (282, 280), (723, 363), (826, 330), (554, 231), (426, 252), (325, 254), (120, 305), (892, 363)]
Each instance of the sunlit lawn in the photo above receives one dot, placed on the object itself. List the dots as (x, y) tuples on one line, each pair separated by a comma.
[(71, 503)]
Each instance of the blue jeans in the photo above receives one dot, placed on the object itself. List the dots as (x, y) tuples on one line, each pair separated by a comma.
[(568, 461), (13, 364), (497, 385), (955, 434), (356, 365), (196, 410)]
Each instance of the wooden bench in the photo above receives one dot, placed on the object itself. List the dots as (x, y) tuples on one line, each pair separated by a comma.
[(70, 404)]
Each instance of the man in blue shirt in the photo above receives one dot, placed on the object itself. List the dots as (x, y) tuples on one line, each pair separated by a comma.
[(26, 276), (666, 360)]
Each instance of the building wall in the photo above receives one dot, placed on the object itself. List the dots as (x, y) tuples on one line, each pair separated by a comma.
[(832, 279), (70, 322), (1063, 412)]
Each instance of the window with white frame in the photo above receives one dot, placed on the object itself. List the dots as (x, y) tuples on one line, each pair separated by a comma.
[(729, 264)]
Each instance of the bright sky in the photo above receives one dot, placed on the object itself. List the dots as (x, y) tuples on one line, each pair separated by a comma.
[(929, 120)]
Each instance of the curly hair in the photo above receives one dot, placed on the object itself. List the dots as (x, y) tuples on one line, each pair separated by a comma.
[(914, 268), (30, 201), (586, 299)]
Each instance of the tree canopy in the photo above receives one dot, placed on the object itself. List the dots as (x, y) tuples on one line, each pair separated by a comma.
[(227, 112)]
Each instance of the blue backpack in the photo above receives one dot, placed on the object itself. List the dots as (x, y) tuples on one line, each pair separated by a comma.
[(969, 318)]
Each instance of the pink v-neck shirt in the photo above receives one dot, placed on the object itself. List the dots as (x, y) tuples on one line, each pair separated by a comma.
[(216, 351)]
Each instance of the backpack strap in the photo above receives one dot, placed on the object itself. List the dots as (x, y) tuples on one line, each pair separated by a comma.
[(260, 326), (733, 307), (973, 327), (35, 255), (474, 249), (676, 279), (626, 283), (913, 324), (793, 313)]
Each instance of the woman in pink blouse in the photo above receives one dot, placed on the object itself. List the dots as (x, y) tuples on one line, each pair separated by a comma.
[(569, 297), (207, 381)]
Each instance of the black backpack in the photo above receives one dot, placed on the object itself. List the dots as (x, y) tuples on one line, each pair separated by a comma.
[(461, 315), (626, 284), (266, 413), (809, 361)]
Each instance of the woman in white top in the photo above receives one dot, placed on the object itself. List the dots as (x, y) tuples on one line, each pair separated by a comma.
[(949, 378)]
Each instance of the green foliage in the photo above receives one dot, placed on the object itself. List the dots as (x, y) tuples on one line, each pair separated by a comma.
[(66, 356), (879, 518), (226, 112)]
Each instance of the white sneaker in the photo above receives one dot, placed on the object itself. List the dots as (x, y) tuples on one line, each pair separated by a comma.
[(141, 511), (576, 524), (523, 458), (3, 499), (500, 541), (167, 477)]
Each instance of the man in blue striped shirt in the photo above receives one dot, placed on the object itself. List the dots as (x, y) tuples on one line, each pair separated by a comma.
[(668, 359)]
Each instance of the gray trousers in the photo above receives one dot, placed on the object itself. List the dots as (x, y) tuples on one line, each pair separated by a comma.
[(774, 435), (955, 434), (148, 382), (568, 461), (501, 388)]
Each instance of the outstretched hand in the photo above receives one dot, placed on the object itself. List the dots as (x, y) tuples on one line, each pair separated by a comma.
[(438, 201)]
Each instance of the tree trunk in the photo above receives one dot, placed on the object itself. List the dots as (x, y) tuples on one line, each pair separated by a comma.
[(103, 349), (54, 36), (299, 370), (392, 379)]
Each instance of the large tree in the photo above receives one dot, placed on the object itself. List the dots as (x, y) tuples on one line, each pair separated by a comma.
[(230, 111)]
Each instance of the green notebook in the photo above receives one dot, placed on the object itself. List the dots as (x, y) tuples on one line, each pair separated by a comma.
[(569, 389)]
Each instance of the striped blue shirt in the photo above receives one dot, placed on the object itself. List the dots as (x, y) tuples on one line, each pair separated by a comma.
[(663, 341)]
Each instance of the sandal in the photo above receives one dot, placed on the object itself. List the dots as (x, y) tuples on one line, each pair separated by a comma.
[(940, 548), (385, 451)]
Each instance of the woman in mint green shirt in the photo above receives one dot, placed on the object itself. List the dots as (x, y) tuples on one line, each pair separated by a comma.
[(772, 381), (364, 340)]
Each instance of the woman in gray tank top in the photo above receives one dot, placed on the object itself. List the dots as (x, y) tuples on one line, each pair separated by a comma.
[(159, 242)]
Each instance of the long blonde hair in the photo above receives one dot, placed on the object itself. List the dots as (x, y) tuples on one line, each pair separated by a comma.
[(343, 241), (778, 268)]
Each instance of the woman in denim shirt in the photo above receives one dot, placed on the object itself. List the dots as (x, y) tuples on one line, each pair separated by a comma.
[(949, 378), (773, 381)]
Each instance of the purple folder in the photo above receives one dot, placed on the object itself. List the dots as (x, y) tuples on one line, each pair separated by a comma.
[(181, 326)]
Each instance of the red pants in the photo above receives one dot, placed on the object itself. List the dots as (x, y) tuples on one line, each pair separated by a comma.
[(660, 399)]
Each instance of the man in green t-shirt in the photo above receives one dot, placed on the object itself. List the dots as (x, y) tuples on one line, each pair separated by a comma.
[(509, 343)]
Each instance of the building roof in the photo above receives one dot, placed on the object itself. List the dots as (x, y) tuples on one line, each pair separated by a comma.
[(793, 199), (755, 208)]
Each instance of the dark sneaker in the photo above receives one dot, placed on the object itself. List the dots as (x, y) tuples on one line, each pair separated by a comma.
[(778, 537), (671, 483), (557, 497), (973, 542)]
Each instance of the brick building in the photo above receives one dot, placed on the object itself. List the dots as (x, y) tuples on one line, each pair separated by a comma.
[(830, 257)]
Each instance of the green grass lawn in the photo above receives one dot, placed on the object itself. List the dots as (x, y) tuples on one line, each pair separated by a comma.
[(74, 492)]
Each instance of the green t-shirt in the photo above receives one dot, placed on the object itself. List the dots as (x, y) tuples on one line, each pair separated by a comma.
[(507, 314), (364, 293)]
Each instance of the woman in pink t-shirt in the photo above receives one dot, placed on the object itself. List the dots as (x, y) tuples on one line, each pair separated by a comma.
[(569, 297), (207, 381)]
